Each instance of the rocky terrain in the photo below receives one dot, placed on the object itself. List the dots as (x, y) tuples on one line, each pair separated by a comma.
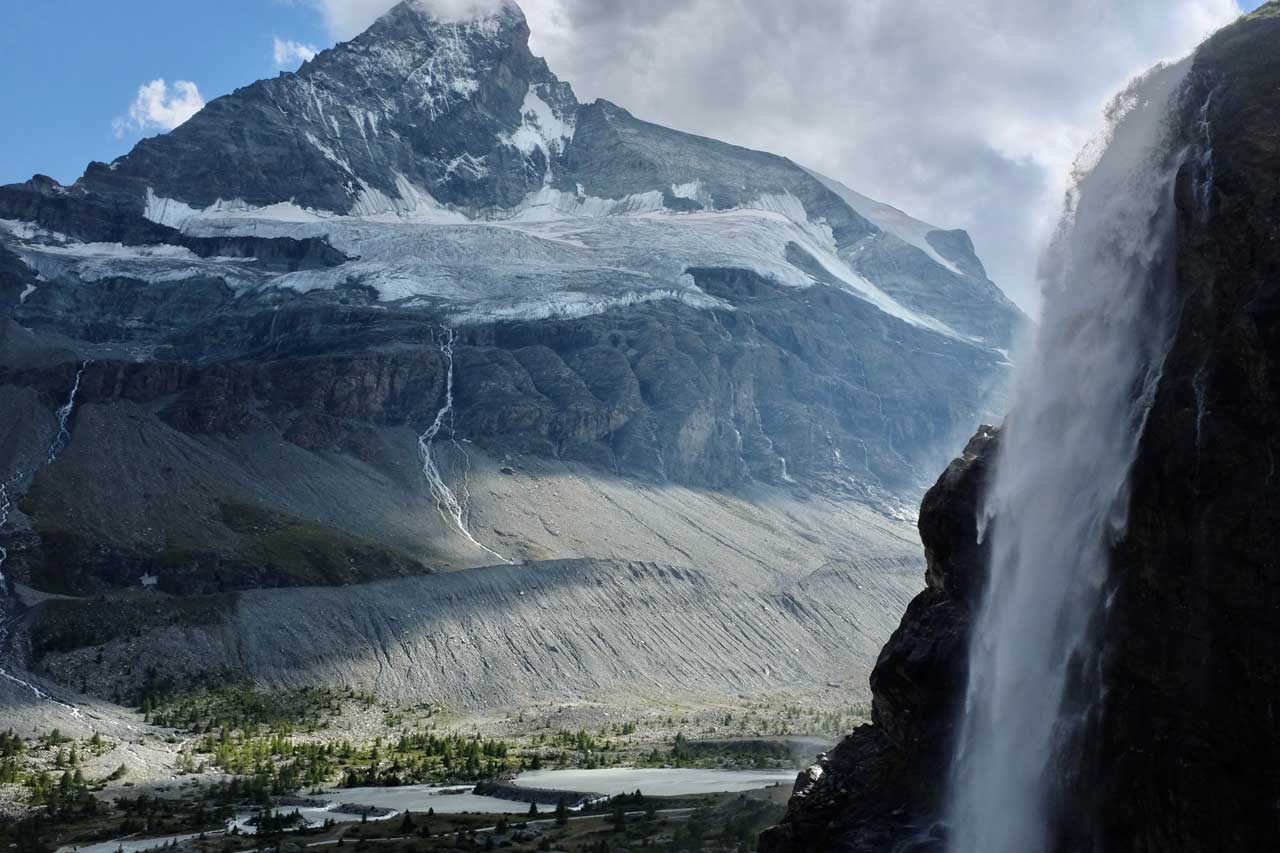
[(414, 310), (1181, 753), (490, 637)]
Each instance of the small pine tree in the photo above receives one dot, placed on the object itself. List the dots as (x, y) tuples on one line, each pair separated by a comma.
[(562, 813)]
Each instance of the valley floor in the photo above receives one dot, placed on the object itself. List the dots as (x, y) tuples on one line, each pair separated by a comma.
[(195, 759)]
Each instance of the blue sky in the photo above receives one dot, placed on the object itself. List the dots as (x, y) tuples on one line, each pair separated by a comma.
[(71, 67)]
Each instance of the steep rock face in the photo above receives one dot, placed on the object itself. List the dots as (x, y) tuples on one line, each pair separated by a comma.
[(778, 390), (882, 787), (1187, 748), (1181, 752)]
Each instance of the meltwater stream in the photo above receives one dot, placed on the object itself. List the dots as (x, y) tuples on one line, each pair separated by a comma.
[(452, 509), (8, 493), (1059, 498)]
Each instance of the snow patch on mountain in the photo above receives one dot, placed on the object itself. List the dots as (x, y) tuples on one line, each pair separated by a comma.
[(541, 129), (573, 305), (30, 231), (889, 219), (168, 211), (329, 154), (550, 205), (819, 241), (414, 204), (90, 262), (694, 191)]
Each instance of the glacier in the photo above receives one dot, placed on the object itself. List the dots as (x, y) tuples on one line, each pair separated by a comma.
[(555, 255)]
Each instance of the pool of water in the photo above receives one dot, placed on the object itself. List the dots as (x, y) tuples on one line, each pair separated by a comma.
[(134, 845), (656, 782), (419, 798), (313, 815)]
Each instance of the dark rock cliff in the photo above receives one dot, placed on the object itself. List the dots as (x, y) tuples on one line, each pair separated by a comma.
[(791, 388), (882, 787), (1189, 746), (1183, 750)]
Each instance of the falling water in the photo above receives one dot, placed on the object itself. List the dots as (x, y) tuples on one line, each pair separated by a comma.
[(63, 437), (1060, 498), (6, 503), (451, 509), (59, 443)]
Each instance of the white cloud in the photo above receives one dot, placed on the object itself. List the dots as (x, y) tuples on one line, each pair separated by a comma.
[(157, 107), (347, 18), (964, 114), (290, 54)]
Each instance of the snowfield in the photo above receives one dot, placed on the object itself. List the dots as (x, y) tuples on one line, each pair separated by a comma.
[(557, 255)]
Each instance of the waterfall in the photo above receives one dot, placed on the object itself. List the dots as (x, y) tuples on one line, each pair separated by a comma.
[(59, 443), (6, 503), (1059, 499), (451, 509), (63, 437)]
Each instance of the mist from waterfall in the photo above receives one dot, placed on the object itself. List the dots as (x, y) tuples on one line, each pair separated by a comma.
[(1059, 499)]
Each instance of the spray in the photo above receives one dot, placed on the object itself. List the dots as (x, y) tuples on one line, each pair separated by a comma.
[(1060, 496)]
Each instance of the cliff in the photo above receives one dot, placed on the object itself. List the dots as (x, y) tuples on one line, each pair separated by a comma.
[(1180, 752)]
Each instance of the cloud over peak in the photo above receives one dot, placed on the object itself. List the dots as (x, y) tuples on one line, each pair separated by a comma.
[(290, 54), (348, 18), (159, 107)]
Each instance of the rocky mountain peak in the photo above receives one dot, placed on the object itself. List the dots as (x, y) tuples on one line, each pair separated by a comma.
[(495, 13), (423, 108), (424, 29)]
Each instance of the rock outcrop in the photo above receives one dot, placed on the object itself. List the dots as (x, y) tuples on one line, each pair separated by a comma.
[(1180, 752), (881, 788), (1185, 755)]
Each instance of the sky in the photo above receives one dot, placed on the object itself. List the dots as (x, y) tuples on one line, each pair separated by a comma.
[(964, 113)]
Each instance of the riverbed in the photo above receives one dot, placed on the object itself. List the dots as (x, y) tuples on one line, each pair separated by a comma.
[(656, 782)]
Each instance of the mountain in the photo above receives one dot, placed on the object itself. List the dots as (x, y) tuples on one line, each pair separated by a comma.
[(415, 309), (1167, 730)]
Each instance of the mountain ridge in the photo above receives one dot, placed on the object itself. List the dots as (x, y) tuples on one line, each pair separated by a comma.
[(311, 347)]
